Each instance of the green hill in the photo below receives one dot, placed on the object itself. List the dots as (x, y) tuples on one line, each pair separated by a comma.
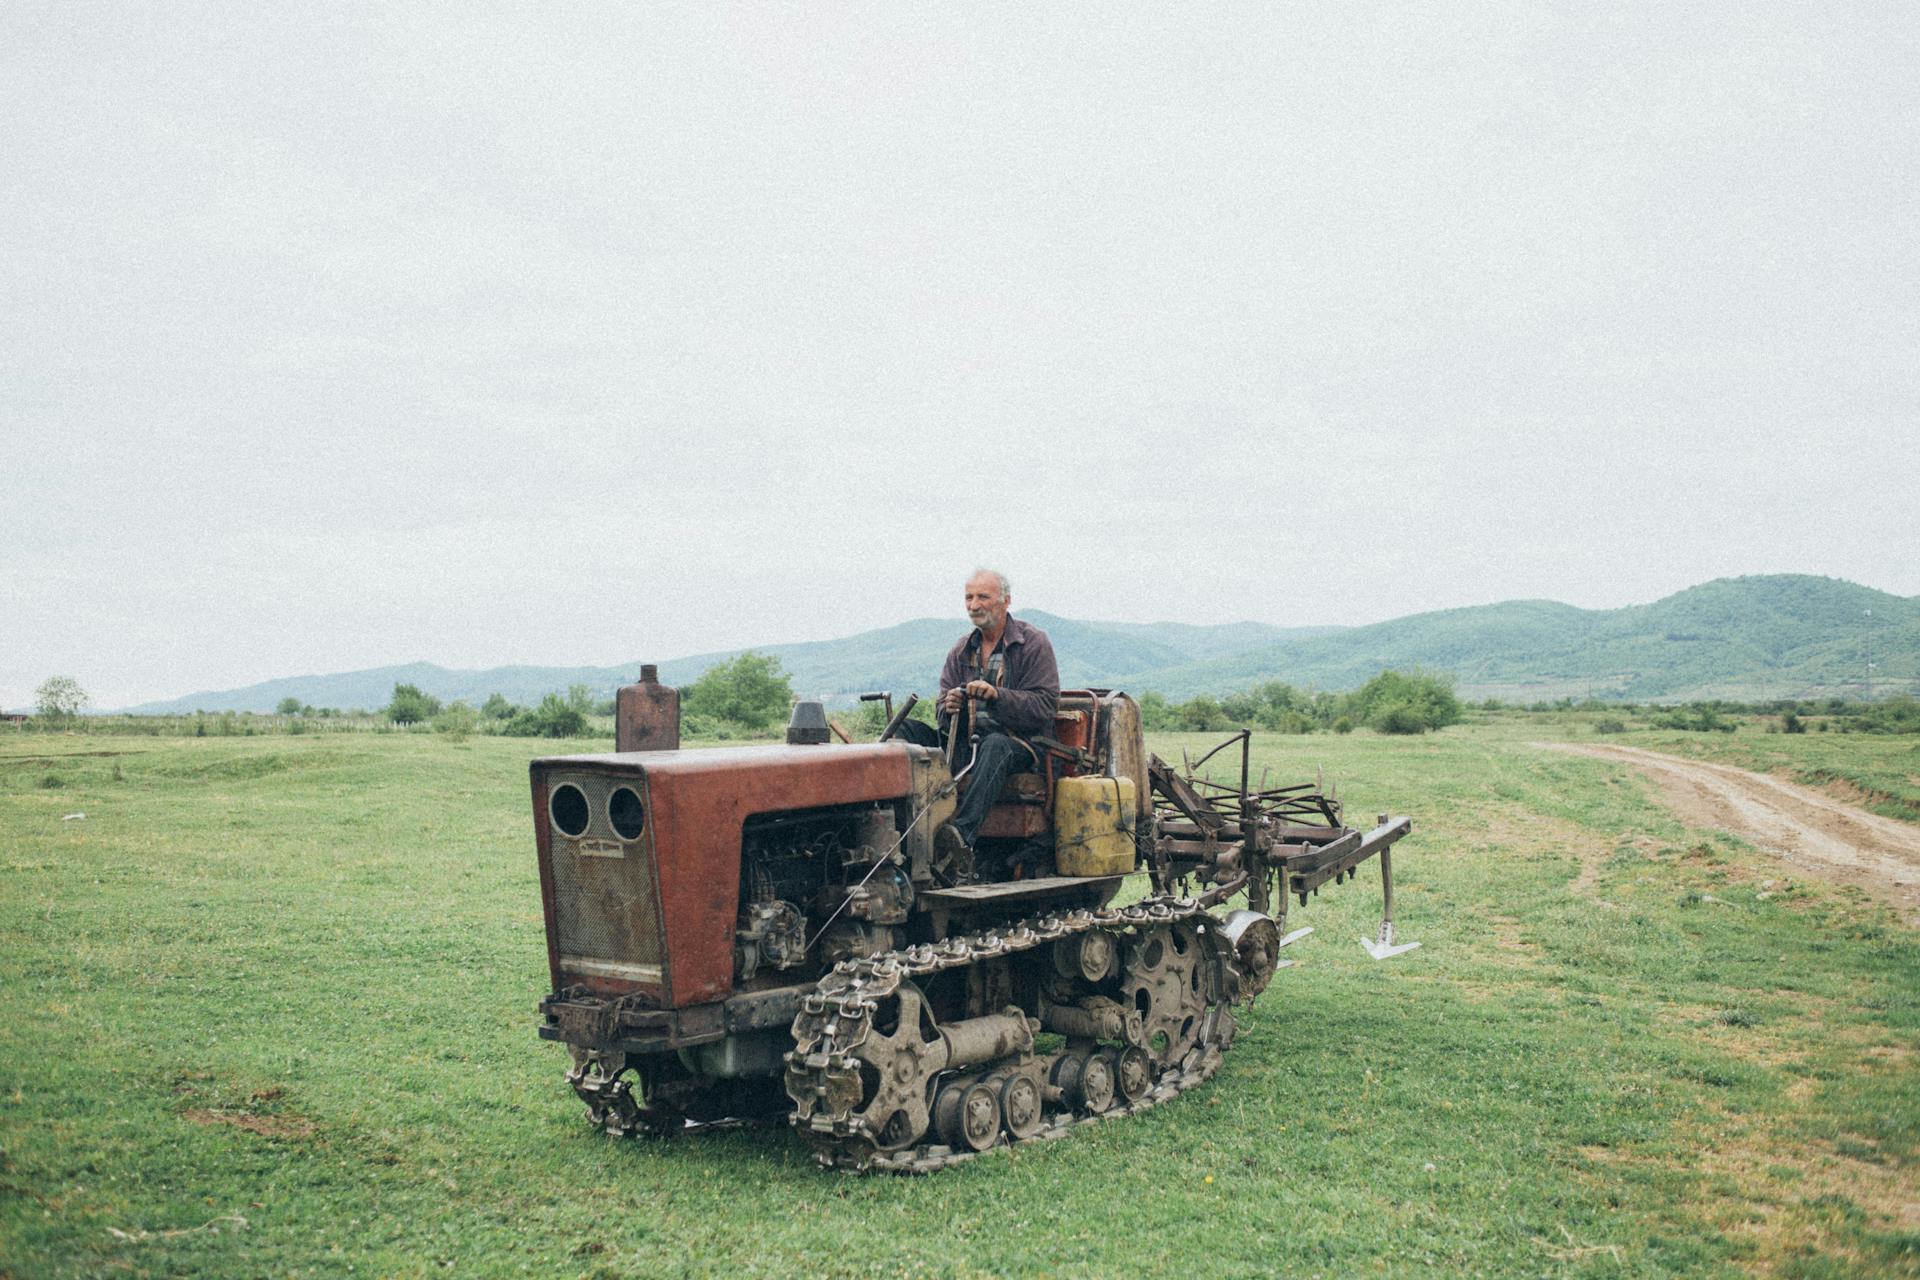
[(898, 658), (1786, 635)]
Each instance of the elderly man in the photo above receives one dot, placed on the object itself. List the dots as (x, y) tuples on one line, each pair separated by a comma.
[(1006, 668)]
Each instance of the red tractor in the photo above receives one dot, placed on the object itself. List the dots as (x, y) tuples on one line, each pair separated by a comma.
[(766, 930)]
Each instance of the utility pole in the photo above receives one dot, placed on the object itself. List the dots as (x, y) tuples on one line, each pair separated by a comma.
[(1869, 697)]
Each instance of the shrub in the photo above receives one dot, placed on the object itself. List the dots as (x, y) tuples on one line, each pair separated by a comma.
[(1609, 724), (751, 690), (1156, 712), (553, 718), (1240, 708), (1203, 715), (410, 706), (1413, 702), (1895, 715), (1701, 717), (1286, 722), (697, 726), (1398, 717), (456, 722), (1343, 725)]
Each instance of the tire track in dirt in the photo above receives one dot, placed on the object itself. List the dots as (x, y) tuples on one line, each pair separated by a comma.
[(1814, 832)]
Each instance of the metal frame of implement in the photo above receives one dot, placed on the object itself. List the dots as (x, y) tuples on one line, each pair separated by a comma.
[(1287, 841)]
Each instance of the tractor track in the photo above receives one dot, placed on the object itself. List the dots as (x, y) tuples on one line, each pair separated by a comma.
[(1814, 832)]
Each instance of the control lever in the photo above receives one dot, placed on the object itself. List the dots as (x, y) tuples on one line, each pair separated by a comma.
[(898, 718)]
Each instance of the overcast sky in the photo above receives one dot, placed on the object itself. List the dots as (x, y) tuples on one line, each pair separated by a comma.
[(545, 333)]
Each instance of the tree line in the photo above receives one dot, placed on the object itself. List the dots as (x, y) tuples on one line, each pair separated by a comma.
[(749, 696), (1397, 702)]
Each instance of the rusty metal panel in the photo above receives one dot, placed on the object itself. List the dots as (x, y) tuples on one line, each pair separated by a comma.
[(701, 800), (543, 850), (1012, 820), (697, 802), (646, 715)]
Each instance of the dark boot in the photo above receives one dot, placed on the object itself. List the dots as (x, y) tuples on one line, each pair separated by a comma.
[(952, 855)]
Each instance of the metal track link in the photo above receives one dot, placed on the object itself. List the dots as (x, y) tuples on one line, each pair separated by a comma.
[(825, 1068), (611, 1106)]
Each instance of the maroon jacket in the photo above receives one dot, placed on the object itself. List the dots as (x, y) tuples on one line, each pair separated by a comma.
[(1029, 687)]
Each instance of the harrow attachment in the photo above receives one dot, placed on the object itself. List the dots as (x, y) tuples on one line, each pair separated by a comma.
[(1286, 842)]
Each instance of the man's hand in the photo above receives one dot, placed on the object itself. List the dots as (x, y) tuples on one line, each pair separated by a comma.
[(950, 700)]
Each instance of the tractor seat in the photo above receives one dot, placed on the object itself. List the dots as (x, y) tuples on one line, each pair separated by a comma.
[(1024, 807), (1023, 788)]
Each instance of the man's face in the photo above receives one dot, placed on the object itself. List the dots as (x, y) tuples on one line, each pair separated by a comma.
[(986, 607)]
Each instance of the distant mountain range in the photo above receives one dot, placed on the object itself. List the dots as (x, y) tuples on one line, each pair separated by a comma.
[(1785, 635)]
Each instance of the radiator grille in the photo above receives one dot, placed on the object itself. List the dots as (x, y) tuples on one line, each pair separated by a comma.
[(606, 904)]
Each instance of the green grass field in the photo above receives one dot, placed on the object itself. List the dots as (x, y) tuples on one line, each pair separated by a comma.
[(268, 1009)]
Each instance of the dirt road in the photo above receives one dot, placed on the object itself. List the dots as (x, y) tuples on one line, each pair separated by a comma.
[(1814, 832)]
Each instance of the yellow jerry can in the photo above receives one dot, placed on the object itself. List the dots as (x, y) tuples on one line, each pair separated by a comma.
[(1093, 821)]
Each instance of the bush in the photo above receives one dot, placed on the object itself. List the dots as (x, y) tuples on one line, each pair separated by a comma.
[(410, 706), (555, 717), (456, 722), (1203, 715), (867, 719), (1241, 708), (1286, 722), (1701, 717), (692, 726), (1609, 724), (1343, 725), (1156, 713), (1895, 715), (1413, 703), (751, 691), (1398, 717)]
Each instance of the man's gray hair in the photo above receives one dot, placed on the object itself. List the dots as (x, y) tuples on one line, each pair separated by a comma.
[(1006, 588)]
